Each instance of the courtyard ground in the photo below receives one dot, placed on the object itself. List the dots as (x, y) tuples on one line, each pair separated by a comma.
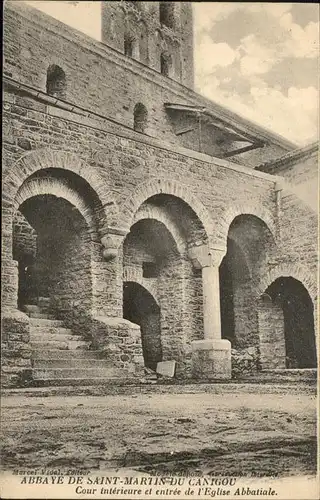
[(221, 429)]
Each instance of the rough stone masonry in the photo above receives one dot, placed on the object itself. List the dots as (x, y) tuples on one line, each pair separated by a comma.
[(141, 221)]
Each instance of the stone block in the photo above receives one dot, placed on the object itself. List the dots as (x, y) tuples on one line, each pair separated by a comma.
[(166, 368), (211, 359)]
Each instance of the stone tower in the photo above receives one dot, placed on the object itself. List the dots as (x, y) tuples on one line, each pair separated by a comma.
[(158, 34)]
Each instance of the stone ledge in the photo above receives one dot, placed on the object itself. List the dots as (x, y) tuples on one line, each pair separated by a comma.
[(209, 345)]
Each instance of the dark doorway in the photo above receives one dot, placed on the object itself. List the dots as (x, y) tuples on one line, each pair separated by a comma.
[(297, 307), (140, 307)]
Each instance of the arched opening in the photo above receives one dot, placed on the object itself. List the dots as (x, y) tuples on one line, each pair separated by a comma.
[(140, 307), (166, 14), (249, 243), (140, 118), (56, 82), (155, 255), (53, 233), (166, 64), (54, 262), (289, 316), (130, 46), (149, 254)]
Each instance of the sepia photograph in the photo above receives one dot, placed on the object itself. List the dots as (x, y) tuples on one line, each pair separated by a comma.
[(159, 305)]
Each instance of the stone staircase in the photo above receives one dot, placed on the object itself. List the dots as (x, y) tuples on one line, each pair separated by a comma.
[(59, 356)]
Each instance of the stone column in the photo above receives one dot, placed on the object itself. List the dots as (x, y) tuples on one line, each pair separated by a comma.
[(211, 356), (107, 274)]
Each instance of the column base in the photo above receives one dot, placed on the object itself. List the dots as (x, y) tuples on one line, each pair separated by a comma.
[(211, 359)]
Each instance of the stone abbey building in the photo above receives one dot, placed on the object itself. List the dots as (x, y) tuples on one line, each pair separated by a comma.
[(142, 222)]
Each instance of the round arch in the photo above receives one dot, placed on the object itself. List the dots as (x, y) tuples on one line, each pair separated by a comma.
[(287, 325), (132, 274), (164, 186), (54, 187), (230, 213), (152, 212), (46, 158), (296, 271)]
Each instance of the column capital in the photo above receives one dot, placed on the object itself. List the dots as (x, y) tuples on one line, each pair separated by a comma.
[(204, 256), (111, 241)]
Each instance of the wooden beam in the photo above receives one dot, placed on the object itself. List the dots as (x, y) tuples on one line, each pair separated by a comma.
[(255, 145), (184, 131)]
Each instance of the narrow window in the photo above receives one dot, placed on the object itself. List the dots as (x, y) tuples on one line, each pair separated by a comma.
[(140, 115), (128, 45), (56, 82), (165, 64), (166, 11)]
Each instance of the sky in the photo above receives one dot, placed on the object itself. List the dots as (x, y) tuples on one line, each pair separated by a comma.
[(258, 59)]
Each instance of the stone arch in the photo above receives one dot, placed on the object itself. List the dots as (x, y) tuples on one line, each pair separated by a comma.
[(287, 321), (30, 164), (55, 187), (234, 211), (131, 274), (42, 159), (165, 186), (152, 212), (295, 270)]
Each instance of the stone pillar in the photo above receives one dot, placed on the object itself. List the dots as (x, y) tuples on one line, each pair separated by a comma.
[(107, 283), (118, 340), (212, 356)]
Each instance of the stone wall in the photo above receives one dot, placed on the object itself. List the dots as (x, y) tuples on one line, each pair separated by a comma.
[(24, 238), (119, 341), (125, 163), (35, 41), (272, 337), (15, 349), (71, 287)]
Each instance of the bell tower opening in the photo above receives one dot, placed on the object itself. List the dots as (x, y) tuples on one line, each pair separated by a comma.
[(144, 30)]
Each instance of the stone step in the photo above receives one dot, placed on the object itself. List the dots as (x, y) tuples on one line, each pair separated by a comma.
[(47, 354), (74, 373), (58, 337), (45, 322), (43, 302), (42, 315), (70, 384), (58, 344), (31, 308), (53, 363), (47, 330)]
